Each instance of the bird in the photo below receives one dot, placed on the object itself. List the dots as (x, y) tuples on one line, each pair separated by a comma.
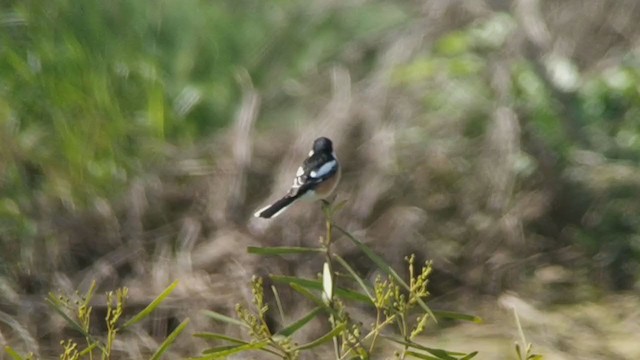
[(316, 179)]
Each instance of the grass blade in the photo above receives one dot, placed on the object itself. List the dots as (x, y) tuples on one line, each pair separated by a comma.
[(223, 318), (281, 250), (291, 329), (151, 307), (170, 339)]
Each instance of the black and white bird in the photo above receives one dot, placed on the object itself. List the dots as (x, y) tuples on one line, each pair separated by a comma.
[(316, 179)]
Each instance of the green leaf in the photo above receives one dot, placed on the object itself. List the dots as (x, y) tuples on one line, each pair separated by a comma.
[(281, 250), (317, 285), (457, 316), (215, 336), (58, 307), (354, 275), (218, 349), (88, 349), (518, 352), (470, 356), (278, 302), (339, 206), (170, 339), (382, 265), (225, 351), (291, 329), (439, 353), (14, 354), (323, 339), (309, 295), (53, 301), (90, 293), (151, 307), (224, 318), (421, 356)]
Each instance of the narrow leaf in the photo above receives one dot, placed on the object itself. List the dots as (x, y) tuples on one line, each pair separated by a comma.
[(278, 302), (281, 250), (317, 285), (215, 336), (88, 349), (151, 307), (470, 356), (291, 329), (224, 318), (14, 354), (439, 353), (421, 356), (518, 352), (58, 307), (339, 206), (225, 351), (360, 281), (323, 339), (53, 301), (218, 349), (382, 265), (170, 339), (308, 294), (457, 316)]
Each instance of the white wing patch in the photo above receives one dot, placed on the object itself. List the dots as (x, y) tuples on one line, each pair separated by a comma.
[(300, 171), (324, 169)]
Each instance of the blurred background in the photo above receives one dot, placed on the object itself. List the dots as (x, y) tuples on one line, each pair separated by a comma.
[(500, 139)]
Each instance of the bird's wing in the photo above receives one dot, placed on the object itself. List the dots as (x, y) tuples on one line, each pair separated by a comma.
[(314, 170)]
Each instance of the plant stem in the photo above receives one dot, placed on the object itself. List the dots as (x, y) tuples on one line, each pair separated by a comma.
[(328, 212)]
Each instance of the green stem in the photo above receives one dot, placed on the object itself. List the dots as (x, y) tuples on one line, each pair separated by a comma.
[(326, 208), (375, 335)]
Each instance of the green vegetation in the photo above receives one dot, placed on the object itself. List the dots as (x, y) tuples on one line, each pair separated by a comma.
[(78, 314), (396, 303)]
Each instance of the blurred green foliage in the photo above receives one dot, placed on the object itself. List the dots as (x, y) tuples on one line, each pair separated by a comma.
[(92, 92)]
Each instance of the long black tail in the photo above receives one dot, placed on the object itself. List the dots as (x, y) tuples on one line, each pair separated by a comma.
[(276, 208)]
